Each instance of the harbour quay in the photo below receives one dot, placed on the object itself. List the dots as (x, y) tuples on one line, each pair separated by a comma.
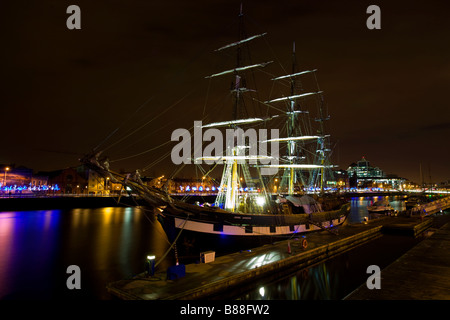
[(228, 274), (422, 273)]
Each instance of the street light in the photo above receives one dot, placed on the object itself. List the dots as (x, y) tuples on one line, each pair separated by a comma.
[(107, 185), (151, 265), (4, 180)]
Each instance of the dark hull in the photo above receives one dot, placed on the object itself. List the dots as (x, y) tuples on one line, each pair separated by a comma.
[(196, 229), (191, 243)]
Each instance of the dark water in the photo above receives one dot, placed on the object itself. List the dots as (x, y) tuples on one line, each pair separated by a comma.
[(339, 276), (335, 278), (359, 206), (110, 244)]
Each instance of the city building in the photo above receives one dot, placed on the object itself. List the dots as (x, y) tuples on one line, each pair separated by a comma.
[(71, 181), (362, 175), (202, 185), (338, 180), (81, 181), (12, 175), (363, 169)]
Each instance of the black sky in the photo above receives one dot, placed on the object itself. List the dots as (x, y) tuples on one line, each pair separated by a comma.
[(64, 91)]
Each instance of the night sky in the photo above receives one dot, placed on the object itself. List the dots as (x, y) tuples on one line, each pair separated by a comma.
[(63, 92)]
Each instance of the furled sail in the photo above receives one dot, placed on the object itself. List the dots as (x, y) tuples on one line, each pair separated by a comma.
[(226, 158), (295, 166), (239, 69), (241, 41), (294, 74), (297, 96), (295, 138), (232, 122)]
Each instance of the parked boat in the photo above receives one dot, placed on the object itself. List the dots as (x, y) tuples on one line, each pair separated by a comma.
[(245, 213), (417, 201), (381, 206)]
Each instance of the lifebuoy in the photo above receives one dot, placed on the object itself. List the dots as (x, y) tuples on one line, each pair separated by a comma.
[(304, 243)]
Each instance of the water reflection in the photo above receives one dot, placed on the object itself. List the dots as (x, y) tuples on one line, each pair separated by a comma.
[(6, 240), (108, 244), (28, 245), (359, 205), (336, 278), (313, 283)]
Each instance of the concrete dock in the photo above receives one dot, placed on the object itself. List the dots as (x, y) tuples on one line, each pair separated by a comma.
[(238, 270), (423, 273)]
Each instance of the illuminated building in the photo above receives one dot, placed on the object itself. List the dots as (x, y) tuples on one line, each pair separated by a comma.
[(11, 175), (202, 185), (81, 181), (362, 169), (362, 175)]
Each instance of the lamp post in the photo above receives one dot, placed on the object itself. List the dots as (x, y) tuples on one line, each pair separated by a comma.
[(4, 180), (151, 265)]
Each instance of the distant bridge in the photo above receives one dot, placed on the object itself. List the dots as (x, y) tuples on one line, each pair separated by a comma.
[(366, 193)]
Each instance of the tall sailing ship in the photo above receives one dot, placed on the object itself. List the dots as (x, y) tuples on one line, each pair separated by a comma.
[(245, 212)]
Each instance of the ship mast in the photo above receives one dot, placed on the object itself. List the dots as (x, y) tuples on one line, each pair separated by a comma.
[(297, 137), (235, 164), (291, 126), (232, 195), (322, 147), (237, 80)]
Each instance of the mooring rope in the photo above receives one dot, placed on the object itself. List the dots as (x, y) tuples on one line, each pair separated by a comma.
[(173, 243)]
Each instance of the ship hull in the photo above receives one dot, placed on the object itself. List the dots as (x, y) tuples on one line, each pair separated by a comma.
[(196, 229), (380, 210)]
